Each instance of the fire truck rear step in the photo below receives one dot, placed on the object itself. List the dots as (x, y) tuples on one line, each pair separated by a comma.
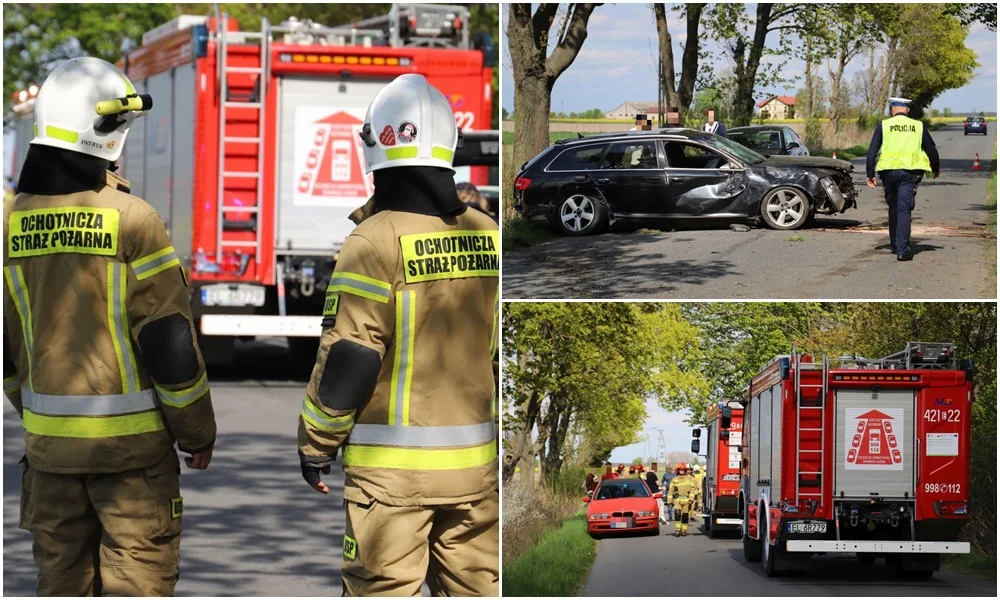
[(878, 547)]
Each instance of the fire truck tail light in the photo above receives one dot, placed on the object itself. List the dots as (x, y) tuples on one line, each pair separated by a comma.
[(951, 509)]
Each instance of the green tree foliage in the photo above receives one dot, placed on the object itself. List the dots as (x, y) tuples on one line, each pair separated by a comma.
[(975, 12), (577, 376), (505, 114), (933, 57)]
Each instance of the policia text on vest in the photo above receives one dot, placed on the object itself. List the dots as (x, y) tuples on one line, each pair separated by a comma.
[(901, 152)]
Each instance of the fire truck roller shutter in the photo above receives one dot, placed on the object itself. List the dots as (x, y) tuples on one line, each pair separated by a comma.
[(321, 175), (874, 443)]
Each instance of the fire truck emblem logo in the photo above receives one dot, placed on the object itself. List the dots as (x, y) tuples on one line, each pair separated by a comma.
[(407, 132), (388, 136), (871, 442)]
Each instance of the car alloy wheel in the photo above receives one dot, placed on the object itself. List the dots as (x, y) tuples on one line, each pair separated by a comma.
[(577, 213), (785, 208)]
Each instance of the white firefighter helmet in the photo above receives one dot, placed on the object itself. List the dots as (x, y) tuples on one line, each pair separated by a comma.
[(697, 469), (409, 124), (87, 105)]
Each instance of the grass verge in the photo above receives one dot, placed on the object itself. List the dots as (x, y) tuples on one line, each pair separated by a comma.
[(977, 566), (519, 233), (991, 226), (557, 566), (858, 151)]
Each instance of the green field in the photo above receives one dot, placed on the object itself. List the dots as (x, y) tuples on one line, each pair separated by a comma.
[(557, 566)]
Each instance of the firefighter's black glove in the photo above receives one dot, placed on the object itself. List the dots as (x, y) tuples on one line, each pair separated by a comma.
[(312, 466)]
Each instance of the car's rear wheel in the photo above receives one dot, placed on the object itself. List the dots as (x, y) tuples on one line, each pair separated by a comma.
[(785, 208), (580, 214)]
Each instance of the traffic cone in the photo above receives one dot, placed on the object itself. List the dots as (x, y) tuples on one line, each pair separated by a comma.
[(835, 154), (976, 165)]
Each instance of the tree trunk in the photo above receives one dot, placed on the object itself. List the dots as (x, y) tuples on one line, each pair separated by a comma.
[(667, 57), (534, 73), (835, 78), (807, 103), (746, 74)]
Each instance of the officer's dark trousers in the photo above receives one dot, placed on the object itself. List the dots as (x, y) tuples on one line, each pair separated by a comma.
[(901, 196)]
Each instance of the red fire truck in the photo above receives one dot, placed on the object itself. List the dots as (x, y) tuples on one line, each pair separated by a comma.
[(869, 457), (721, 485), (251, 151)]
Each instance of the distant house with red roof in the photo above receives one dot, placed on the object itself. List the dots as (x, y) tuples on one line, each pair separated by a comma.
[(777, 107), (628, 110)]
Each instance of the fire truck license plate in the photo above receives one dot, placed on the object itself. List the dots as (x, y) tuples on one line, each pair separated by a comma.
[(807, 527), (229, 295), (621, 523)]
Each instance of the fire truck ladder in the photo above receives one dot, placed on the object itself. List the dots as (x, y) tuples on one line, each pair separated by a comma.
[(802, 405), (256, 101)]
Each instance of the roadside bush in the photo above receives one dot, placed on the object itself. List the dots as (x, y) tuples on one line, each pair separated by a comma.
[(814, 133), (868, 122), (569, 480), (529, 513)]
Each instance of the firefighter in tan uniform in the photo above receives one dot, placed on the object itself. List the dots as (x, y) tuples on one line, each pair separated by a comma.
[(99, 354), (680, 496), (405, 379), (699, 476)]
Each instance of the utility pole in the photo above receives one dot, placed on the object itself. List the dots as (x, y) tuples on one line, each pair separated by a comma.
[(661, 447)]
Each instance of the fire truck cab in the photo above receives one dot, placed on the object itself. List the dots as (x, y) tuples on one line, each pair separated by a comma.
[(251, 153), (721, 484), (869, 457)]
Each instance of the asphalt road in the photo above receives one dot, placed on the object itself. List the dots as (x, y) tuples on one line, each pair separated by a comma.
[(252, 527), (847, 256), (698, 566)]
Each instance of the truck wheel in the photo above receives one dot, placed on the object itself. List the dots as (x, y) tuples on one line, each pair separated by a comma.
[(303, 349), (866, 558), (751, 548), (769, 553), (708, 525)]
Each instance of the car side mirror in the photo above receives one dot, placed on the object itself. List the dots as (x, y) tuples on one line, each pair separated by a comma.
[(586, 499), (657, 495), (793, 145), (695, 446), (696, 433), (723, 435)]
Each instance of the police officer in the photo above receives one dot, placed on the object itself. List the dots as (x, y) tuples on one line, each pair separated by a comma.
[(100, 355), (905, 152), (404, 383)]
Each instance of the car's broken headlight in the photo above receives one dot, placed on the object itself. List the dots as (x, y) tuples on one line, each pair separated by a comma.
[(833, 192)]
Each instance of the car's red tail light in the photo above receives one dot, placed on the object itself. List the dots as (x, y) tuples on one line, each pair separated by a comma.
[(521, 183)]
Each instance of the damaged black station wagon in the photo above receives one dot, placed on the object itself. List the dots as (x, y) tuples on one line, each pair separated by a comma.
[(584, 185)]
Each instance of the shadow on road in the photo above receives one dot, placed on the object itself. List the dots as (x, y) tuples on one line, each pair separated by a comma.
[(841, 570), (610, 263)]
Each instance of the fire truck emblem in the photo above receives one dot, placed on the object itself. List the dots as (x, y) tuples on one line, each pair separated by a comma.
[(388, 136), (407, 132), (871, 442)]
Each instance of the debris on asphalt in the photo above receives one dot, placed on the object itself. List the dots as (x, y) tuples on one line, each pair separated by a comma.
[(739, 227)]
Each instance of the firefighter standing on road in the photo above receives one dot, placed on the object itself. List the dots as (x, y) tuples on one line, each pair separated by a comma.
[(905, 153), (405, 378), (680, 496), (699, 477), (100, 358)]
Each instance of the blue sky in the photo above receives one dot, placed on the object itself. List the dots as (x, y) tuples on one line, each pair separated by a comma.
[(618, 63), (676, 434)]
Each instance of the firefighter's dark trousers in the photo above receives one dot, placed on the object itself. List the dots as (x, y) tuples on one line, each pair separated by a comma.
[(682, 514), (116, 534), (392, 550), (901, 196)]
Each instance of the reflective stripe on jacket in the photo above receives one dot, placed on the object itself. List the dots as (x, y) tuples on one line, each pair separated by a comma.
[(901, 145)]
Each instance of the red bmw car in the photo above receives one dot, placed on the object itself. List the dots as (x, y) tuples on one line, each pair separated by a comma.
[(620, 506)]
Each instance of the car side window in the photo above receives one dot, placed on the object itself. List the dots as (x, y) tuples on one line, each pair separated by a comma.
[(579, 159), (631, 155), (689, 156), (791, 136)]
